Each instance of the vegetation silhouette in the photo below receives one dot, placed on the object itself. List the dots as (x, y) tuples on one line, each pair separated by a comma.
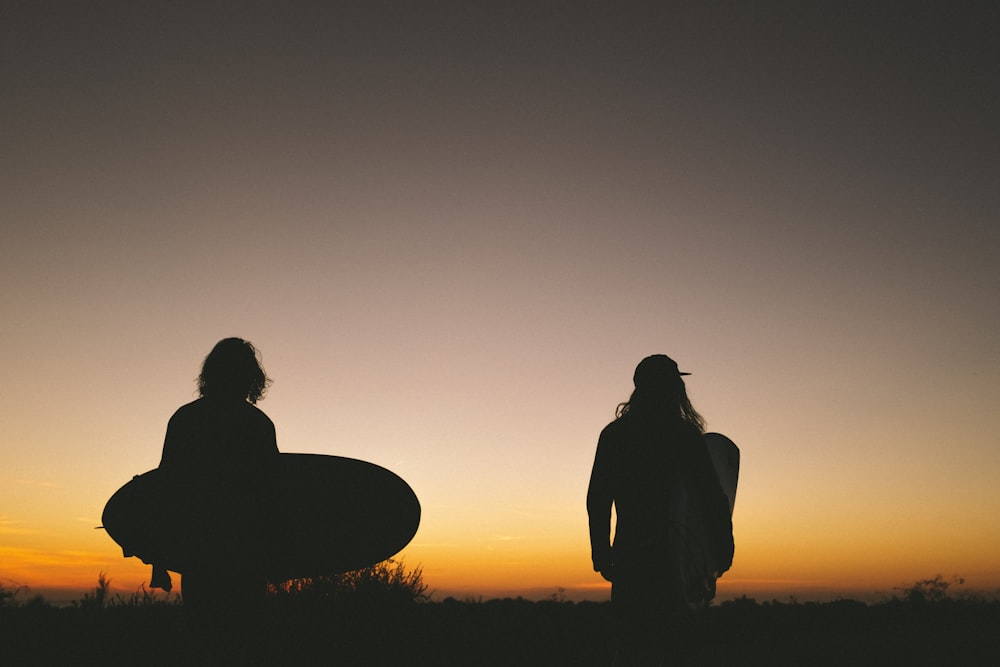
[(385, 583), (101, 597), (930, 590), (12, 597), (312, 624)]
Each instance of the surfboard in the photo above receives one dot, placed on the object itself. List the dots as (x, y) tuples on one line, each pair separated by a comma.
[(725, 457), (696, 525), (319, 515)]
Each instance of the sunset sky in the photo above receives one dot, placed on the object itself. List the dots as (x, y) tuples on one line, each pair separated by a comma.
[(453, 229)]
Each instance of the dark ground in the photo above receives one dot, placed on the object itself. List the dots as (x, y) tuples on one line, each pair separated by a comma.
[(504, 632)]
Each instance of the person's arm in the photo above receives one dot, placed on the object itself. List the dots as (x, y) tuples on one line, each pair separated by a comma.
[(160, 578), (258, 434), (600, 497), (172, 444), (271, 438)]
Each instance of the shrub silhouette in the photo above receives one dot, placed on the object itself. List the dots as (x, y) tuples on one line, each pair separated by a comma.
[(9, 597), (929, 590), (387, 582), (142, 597), (99, 597)]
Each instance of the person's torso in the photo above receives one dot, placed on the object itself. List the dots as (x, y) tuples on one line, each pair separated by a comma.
[(651, 461), (212, 436)]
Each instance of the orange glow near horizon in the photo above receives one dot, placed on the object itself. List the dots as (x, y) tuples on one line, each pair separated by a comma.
[(793, 537), (535, 543), (539, 566)]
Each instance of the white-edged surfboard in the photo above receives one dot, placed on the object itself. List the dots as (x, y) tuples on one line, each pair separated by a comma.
[(725, 457)]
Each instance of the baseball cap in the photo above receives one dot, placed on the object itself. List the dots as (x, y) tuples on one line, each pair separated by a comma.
[(655, 370)]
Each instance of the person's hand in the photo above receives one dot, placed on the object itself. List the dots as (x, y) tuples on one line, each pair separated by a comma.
[(608, 573), (160, 579)]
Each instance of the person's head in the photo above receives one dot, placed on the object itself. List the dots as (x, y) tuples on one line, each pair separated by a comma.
[(232, 370), (659, 390)]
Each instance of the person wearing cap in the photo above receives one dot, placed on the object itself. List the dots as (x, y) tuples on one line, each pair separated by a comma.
[(651, 465)]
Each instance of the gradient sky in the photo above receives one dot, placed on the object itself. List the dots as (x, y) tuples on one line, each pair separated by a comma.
[(453, 231)]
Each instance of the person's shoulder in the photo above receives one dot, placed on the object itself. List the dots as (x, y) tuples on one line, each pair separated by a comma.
[(613, 427), (691, 431), (690, 435), (255, 413), (193, 407), (253, 409), (616, 429)]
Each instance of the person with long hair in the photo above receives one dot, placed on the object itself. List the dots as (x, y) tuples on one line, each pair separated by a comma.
[(220, 450), (652, 466)]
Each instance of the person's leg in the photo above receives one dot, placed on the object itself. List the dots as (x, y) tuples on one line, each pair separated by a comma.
[(636, 598)]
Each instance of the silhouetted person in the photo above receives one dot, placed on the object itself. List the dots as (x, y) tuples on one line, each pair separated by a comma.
[(652, 465), (221, 451)]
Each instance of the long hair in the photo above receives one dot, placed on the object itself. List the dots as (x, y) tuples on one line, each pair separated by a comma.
[(233, 370), (670, 402)]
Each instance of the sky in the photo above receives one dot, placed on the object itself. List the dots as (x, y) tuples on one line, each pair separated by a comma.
[(453, 229)]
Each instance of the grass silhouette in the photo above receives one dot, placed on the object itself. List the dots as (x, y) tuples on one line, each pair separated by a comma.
[(388, 582), (348, 621)]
